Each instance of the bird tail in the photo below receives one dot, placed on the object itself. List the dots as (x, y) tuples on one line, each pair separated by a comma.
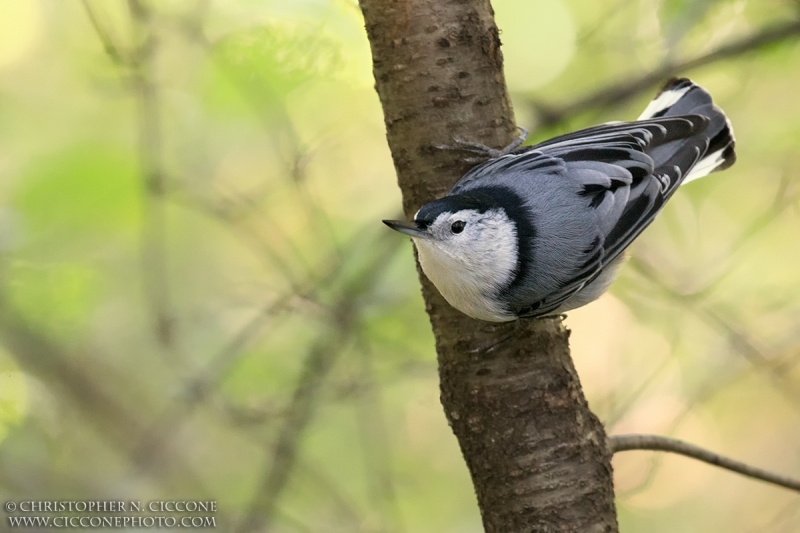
[(680, 96)]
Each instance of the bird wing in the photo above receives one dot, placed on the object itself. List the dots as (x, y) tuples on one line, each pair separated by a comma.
[(610, 174), (626, 206)]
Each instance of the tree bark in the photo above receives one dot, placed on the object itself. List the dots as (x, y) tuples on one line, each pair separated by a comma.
[(537, 455)]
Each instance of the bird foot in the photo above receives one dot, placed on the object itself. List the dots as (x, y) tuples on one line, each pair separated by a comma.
[(513, 335), (482, 151)]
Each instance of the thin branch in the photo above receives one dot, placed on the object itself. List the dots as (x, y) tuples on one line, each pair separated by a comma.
[(741, 342), (372, 428), (323, 483), (253, 93), (622, 443), (722, 379), (616, 414), (113, 50), (246, 213), (154, 245), (317, 366), (625, 90), (200, 387), (96, 400), (300, 412), (781, 203)]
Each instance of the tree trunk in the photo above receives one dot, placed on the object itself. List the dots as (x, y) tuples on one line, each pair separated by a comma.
[(538, 457)]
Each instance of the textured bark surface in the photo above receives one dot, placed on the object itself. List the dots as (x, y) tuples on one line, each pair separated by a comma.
[(537, 455)]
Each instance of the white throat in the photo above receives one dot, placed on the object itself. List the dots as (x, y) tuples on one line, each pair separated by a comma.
[(470, 273)]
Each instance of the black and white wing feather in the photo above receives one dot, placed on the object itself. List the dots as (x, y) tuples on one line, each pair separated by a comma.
[(604, 186)]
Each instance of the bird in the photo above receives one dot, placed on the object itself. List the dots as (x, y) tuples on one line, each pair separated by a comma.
[(539, 230)]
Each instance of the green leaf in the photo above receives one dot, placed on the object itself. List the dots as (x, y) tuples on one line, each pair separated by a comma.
[(280, 57), (78, 194), (60, 297)]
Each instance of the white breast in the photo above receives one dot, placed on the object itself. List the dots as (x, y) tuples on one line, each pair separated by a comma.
[(469, 278)]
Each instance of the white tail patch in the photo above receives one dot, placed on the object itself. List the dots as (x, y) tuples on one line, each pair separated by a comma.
[(663, 101), (711, 162), (705, 166)]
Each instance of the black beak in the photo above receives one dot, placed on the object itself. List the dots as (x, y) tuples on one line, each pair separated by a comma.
[(409, 228)]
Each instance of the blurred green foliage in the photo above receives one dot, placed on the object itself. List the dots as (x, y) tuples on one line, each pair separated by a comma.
[(249, 332)]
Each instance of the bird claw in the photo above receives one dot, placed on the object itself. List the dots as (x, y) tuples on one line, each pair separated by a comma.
[(483, 152), (516, 143), (474, 160), (492, 347), (515, 333)]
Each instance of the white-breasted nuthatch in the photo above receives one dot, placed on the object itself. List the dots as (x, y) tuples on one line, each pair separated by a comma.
[(540, 230)]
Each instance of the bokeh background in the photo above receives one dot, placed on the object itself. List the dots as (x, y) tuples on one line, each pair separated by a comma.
[(198, 299)]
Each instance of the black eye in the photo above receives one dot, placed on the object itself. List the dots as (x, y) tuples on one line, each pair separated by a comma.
[(458, 226)]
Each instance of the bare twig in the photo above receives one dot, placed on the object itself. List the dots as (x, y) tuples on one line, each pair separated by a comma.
[(252, 90), (142, 58), (251, 237), (317, 366), (328, 486), (722, 378), (623, 91), (154, 245), (616, 415), (53, 364), (200, 387), (782, 201), (112, 49), (740, 341), (621, 443), (377, 450)]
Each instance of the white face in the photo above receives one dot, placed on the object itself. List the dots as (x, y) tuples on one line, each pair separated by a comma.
[(469, 256)]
